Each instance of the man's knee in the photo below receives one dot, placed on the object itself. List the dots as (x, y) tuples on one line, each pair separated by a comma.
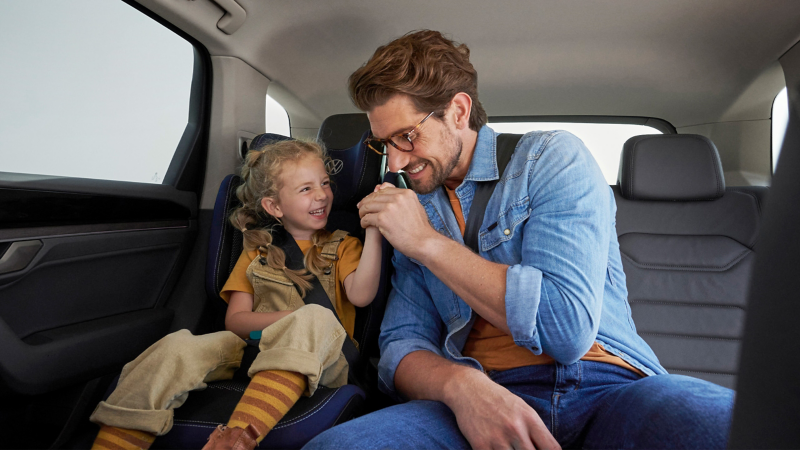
[(683, 410)]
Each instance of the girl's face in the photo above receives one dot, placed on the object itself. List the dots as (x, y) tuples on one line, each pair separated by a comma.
[(305, 198)]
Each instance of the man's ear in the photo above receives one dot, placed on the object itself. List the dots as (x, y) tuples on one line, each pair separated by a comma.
[(462, 105), (271, 207)]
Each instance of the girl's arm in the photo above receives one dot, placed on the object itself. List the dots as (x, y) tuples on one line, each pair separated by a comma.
[(362, 285), (240, 318)]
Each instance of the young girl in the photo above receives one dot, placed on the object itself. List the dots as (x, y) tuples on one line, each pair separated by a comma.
[(285, 184)]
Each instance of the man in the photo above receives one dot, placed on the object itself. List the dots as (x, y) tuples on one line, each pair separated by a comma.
[(529, 344)]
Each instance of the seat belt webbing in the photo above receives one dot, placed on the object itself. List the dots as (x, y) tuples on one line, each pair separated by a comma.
[(317, 295), (506, 143)]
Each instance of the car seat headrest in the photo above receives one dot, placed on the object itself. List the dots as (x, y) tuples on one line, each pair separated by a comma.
[(670, 167), (265, 139), (355, 171), (341, 131)]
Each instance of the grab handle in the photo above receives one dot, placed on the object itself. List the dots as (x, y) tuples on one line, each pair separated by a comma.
[(233, 18), (18, 255)]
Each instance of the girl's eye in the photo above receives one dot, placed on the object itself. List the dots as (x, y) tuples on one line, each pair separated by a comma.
[(326, 182)]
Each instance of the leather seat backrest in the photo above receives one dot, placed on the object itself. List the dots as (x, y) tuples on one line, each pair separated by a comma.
[(688, 247)]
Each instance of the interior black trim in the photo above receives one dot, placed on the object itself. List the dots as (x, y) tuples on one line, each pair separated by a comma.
[(35, 208), (659, 124), (62, 356), (13, 234)]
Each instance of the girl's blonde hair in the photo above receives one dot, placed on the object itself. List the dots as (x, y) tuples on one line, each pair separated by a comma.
[(261, 178)]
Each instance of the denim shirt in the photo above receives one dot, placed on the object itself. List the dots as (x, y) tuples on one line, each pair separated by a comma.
[(551, 218)]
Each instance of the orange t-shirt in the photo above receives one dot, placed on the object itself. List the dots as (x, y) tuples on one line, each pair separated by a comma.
[(496, 350), (349, 253)]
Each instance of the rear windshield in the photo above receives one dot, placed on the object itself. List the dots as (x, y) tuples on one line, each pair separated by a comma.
[(604, 140)]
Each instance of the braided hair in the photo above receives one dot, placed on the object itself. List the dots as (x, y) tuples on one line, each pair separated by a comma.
[(260, 175)]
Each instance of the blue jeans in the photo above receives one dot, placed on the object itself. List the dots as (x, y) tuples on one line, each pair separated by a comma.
[(585, 405)]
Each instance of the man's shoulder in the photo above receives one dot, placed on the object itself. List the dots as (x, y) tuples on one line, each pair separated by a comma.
[(534, 143)]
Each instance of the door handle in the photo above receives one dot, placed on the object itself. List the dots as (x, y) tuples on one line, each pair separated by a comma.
[(18, 255)]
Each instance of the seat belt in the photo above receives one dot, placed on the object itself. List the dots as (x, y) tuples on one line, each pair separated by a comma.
[(506, 143), (317, 295)]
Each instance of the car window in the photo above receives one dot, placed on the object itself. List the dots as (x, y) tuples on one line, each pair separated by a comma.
[(277, 118), (604, 140), (780, 120), (91, 89)]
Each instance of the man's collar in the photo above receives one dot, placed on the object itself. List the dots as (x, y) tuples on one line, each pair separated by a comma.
[(484, 159), (483, 166)]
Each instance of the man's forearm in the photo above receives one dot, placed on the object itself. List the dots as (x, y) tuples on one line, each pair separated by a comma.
[(423, 375), (479, 282)]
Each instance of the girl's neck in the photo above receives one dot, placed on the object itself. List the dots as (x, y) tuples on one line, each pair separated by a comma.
[(299, 235)]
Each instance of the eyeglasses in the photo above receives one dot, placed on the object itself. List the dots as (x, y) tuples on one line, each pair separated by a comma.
[(403, 142)]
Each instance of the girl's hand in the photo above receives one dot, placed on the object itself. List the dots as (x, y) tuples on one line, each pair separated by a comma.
[(381, 187)]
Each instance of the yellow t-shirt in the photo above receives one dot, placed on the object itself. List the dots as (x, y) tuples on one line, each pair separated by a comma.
[(349, 253), (496, 350)]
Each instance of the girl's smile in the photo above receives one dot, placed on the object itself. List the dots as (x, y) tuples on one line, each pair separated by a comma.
[(305, 198)]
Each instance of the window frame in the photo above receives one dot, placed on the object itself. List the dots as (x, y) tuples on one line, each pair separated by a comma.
[(186, 170), (659, 124)]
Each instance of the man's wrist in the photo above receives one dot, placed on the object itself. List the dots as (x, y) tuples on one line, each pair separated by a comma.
[(430, 247), (461, 383)]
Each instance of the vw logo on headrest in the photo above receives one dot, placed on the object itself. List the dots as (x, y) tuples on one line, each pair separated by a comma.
[(334, 166)]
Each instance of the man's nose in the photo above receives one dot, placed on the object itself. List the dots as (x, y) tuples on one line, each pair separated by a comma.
[(396, 159)]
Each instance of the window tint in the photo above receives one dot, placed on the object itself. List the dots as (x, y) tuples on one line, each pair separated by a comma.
[(91, 89), (277, 118), (604, 140), (780, 120)]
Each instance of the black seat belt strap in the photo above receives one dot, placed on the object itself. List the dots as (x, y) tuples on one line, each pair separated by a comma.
[(317, 295), (506, 143)]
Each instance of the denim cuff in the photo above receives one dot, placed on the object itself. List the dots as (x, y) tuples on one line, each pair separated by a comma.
[(392, 354), (523, 294)]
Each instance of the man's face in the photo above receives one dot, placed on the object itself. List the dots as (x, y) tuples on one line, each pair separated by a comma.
[(437, 147)]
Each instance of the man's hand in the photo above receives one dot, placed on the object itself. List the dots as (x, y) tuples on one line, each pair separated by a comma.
[(491, 417), (399, 216)]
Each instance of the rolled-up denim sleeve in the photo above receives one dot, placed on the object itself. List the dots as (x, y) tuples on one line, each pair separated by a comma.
[(411, 321), (554, 296)]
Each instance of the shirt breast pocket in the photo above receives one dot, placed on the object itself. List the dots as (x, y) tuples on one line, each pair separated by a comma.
[(507, 227)]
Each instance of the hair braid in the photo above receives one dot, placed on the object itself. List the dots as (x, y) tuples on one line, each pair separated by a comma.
[(260, 175)]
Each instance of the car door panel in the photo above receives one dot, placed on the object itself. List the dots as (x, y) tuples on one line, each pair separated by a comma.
[(91, 296)]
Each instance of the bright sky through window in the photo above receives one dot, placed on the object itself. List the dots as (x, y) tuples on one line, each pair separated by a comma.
[(604, 140)]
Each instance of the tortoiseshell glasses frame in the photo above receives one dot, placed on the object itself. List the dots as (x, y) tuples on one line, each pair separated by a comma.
[(405, 140)]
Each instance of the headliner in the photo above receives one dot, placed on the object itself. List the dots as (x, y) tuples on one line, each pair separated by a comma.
[(680, 60)]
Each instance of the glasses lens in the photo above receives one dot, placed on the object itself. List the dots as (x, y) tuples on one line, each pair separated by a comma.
[(403, 143)]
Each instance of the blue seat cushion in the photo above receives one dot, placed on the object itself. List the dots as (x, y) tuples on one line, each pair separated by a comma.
[(204, 410)]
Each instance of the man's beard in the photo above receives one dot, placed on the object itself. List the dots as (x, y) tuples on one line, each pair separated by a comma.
[(438, 173)]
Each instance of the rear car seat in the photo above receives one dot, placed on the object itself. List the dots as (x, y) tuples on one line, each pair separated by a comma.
[(688, 247), (357, 171)]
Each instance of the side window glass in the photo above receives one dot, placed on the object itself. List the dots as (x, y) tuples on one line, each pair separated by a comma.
[(780, 120), (277, 118), (604, 140), (91, 89)]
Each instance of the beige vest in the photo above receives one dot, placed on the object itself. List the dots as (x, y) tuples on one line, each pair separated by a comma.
[(273, 291)]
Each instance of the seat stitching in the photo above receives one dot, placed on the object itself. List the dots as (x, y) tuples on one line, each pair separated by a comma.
[(729, 265), (687, 336), (307, 414), (697, 305)]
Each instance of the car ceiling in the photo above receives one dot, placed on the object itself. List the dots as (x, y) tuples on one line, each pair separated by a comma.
[(680, 60)]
